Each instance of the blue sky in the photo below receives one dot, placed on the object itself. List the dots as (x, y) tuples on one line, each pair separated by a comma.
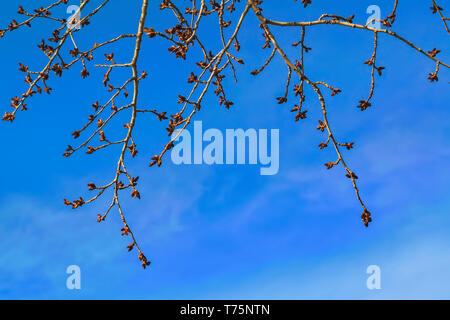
[(225, 232)]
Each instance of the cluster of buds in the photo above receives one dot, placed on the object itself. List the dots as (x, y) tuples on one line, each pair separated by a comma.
[(366, 217)]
